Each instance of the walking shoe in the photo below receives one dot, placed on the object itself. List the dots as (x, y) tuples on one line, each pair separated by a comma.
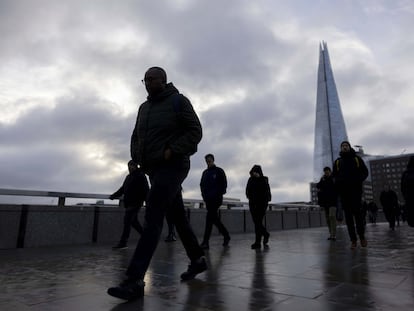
[(226, 241), (353, 244), (256, 246), (170, 238), (204, 245), (194, 268), (128, 290), (364, 243), (120, 246)]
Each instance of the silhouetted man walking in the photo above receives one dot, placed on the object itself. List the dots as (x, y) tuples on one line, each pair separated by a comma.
[(213, 186), (166, 133)]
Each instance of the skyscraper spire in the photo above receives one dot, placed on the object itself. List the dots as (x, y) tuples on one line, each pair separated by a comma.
[(330, 128)]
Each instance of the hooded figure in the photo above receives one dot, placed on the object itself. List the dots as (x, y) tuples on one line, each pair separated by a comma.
[(258, 193), (349, 172)]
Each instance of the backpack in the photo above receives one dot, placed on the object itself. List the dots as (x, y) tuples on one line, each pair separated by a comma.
[(178, 108)]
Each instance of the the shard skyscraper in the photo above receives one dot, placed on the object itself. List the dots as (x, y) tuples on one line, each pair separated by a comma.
[(330, 128)]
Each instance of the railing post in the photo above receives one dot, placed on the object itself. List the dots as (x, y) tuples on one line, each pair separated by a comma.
[(22, 226), (95, 224), (61, 202)]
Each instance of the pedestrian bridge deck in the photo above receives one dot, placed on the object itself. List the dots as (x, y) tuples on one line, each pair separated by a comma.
[(300, 271)]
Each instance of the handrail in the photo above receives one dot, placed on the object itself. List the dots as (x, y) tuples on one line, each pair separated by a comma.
[(231, 203), (55, 194)]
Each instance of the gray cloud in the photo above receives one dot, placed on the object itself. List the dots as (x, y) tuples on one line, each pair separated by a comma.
[(69, 85)]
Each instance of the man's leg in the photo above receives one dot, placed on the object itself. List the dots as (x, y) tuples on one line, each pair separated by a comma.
[(265, 233), (332, 221), (221, 228), (128, 219), (328, 220), (359, 216), (165, 184), (135, 222), (349, 219), (210, 217), (257, 226), (178, 216), (346, 201), (184, 229), (217, 222), (392, 218)]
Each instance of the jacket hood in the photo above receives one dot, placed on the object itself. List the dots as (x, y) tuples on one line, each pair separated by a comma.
[(169, 90), (351, 153), (258, 169)]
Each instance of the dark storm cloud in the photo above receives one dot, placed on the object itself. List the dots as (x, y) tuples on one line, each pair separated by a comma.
[(47, 147)]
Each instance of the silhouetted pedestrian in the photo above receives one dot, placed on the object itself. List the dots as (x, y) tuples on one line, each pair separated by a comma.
[(259, 195), (372, 212), (349, 172), (389, 202), (327, 198), (213, 186), (166, 133), (134, 189)]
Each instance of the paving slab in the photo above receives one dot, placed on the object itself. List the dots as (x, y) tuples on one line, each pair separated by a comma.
[(300, 270)]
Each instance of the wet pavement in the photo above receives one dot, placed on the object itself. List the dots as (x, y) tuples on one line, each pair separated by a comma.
[(300, 271)]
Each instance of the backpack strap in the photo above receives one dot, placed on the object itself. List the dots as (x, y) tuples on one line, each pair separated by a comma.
[(337, 163)]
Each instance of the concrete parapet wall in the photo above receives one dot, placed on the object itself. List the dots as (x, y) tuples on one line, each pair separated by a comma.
[(10, 216), (53, 226), (37, 226)]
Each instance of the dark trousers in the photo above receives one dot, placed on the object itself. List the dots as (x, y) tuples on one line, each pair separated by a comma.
[(170, 223), (258, 211), (354, 216), (130, 220), (390, 212), (164, 197), (213, 218)]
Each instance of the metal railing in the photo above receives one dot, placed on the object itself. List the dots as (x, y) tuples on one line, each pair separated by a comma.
[(192, 203), (53, 194)]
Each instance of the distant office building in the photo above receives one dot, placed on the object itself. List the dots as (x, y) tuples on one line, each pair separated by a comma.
[(388, 170), (367, 195), (330, 128), (383, 170)]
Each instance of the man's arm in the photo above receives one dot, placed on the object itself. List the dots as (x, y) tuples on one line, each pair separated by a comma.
[(191, 134), (134, 146), (223, 181), (268, 191), (117, 193)]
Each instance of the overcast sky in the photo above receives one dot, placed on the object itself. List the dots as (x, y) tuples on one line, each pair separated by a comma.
[(70, 85)]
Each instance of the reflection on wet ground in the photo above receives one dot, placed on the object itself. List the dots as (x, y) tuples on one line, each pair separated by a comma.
[(300, 271)]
